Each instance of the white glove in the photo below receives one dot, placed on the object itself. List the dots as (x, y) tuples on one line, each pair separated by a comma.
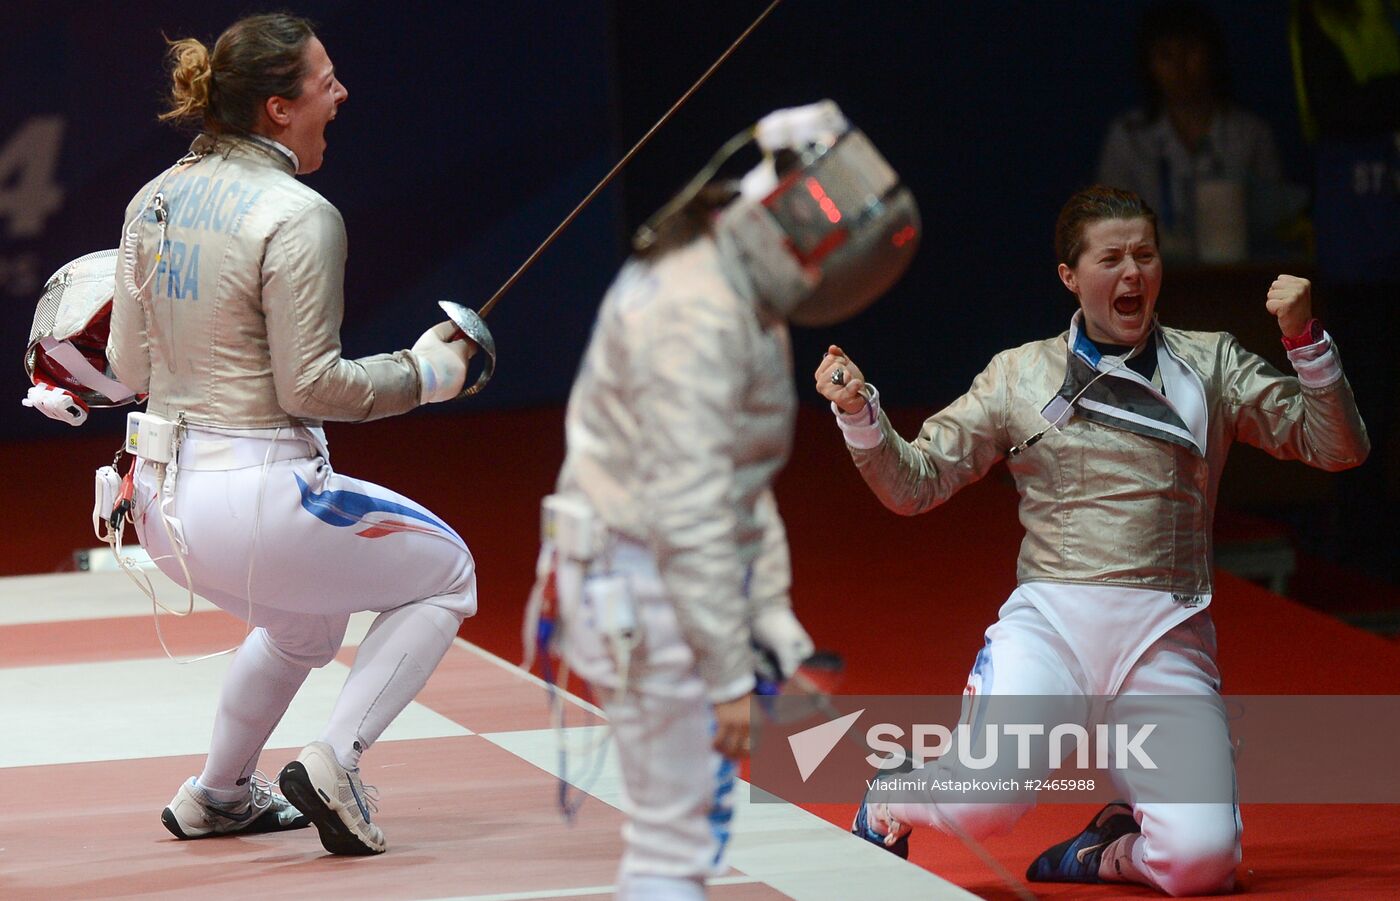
[(442, 362), (791, 128), (778, 631), (55, 403)]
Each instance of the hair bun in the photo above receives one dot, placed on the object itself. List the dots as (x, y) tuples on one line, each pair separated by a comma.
[(190, 75)]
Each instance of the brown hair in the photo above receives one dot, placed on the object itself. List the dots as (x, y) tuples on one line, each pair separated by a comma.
[(1090, 205), (679, 228), (255, 58), (669, 229)]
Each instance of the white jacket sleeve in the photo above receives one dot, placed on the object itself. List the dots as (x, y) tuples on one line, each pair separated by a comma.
[(771, 583)]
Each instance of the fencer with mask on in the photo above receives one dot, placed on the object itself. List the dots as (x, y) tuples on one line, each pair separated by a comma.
[(226, 311), (664, 548)]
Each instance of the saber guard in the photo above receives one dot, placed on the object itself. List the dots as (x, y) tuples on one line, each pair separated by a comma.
[(472, 327)]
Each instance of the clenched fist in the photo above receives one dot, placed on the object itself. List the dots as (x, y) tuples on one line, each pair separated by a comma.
[(841, 381), (1290, 299)]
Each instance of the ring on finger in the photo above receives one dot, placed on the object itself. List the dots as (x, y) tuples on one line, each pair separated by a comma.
[(838, 378)]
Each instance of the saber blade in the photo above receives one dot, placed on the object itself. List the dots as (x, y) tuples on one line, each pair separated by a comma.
[(626, 158), (471, 324)]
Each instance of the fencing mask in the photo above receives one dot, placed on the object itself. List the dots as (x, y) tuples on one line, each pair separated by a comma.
[(67, 354), (823, 225)]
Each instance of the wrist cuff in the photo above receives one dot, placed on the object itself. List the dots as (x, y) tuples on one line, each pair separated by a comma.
[(1316, 363), (862, 428)]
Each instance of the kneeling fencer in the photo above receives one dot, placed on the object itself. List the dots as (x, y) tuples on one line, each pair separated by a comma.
[(664, 547), (1115, 433), (227, 310)]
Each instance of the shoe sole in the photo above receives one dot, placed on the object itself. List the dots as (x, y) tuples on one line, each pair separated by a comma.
[(336, 837), (1054, 855), (168, 820), (263, 824)]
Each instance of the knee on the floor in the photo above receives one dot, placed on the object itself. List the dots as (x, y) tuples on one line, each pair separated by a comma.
[(1196, 862), (983, 820)]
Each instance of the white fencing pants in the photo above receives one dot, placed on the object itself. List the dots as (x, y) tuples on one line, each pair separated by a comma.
[(1184, 848), (678, 790), (274, 536)]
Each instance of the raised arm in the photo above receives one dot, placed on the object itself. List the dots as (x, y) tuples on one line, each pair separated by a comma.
[(1313, 417), (955, 447)]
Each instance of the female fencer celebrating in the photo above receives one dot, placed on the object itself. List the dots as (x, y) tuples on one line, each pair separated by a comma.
[(227, 312), (1115, 433)]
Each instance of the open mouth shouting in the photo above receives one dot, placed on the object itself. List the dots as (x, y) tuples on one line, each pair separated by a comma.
[(1129, 306)]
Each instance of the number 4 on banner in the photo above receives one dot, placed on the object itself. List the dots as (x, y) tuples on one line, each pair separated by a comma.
[(28, 192)]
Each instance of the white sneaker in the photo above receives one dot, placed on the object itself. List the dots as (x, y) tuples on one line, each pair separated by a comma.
[(193, 814), (335, 799)]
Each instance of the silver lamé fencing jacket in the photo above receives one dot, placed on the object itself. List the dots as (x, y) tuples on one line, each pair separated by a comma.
[(679, 420), (1104, 504), (237, 324)]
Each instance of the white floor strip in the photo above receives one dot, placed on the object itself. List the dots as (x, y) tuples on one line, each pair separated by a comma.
[(522, 674), (66, 597), (584, 892), (781, 845), (130, 709), (73, 597)]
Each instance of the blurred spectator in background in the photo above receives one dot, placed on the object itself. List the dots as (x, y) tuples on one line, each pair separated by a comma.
[(1192, 154), (1346, 67)]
